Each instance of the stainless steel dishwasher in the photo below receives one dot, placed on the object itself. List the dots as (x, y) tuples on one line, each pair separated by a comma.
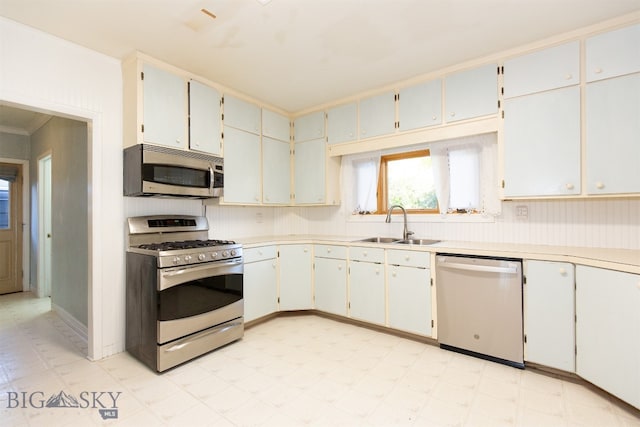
[(480, 307)]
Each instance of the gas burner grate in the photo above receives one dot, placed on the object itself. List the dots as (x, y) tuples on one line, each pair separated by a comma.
[(185, 244)]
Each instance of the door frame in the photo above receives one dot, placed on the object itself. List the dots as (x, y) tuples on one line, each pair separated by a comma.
[(25, 220)]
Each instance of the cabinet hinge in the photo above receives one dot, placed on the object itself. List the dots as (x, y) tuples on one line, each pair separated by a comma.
[(498, 104), (222, 100), (222, 136), (525, 338), (524, 280), (142, 128), (503, 114), (396, 97), (432, 323), (141, 75), (222, 116), (503, 183), (431, 281), (502, 90), (278, 300)]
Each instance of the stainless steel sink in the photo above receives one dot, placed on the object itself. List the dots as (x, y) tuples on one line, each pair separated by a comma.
[(420, 242), (380, 240)]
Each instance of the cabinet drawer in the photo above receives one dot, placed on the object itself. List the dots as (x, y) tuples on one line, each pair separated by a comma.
[(358, 253), (408, 258), (259, 254), (330, 251)]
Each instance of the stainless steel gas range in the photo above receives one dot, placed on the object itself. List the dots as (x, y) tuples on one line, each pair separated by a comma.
[(184, 291)]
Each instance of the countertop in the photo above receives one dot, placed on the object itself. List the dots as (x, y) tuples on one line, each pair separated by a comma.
[(627, 260)]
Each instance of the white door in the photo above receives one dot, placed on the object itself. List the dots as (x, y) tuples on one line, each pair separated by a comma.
[(276, 171), (10, 231), (44, 226), (295, 277)]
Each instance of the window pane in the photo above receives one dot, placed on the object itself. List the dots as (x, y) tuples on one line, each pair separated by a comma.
[(410, 183), (4, 204)]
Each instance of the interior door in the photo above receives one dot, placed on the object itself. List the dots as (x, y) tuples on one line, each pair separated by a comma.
[(10, 229), (44, 226)]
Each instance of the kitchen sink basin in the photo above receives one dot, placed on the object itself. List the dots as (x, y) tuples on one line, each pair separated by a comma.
[(421, 242), (380, 240)]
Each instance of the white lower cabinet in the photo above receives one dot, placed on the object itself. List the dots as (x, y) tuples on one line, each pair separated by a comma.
[(366, 285), (260, 282), (409, 297), (330, 279), (608, 331), (295, 277), (549, 314)]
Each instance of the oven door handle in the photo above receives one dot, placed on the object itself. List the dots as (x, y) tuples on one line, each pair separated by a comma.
[(176, 276), (216, 330)]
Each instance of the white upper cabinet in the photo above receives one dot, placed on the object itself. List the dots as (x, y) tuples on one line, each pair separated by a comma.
[(420, 105), (205, 128), (543, 70), (613, 54), (542, 144), (310, 172), (471, 93), (242, 175), (342, 123), (275, 125), (164, 107), (377, 115), (309, 126), (613, 135), (241, 114), (276, 171)]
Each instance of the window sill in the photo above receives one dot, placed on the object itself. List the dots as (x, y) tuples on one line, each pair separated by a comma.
[(426, 218)]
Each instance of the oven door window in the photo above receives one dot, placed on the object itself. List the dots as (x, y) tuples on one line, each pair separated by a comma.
[(199, 296), (176, 175)]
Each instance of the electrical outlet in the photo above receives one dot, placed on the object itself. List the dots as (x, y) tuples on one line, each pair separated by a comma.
[(522, 212)]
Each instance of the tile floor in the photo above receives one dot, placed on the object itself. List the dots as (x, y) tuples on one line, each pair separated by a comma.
[(290, 371)]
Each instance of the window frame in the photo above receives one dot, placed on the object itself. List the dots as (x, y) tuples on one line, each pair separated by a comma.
[(382, 191)]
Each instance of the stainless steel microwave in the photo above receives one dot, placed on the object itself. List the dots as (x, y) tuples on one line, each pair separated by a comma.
[(151, 170)]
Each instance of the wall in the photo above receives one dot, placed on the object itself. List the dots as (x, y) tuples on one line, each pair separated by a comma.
[(67, 141), (14, 146)]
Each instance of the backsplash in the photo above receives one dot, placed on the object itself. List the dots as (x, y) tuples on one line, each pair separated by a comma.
[(588, 223)]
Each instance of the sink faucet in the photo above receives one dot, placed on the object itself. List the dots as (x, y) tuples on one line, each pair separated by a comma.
[(405, 232)]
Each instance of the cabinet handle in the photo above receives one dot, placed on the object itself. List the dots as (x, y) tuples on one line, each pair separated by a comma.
[(563, 272), (407, 258), (599, 185), (433, 118), (328, 250), (598, 70), (178, 141), (393, 274), (364, 253), (377, 271), (568, 76), (453, 114), (306, 250), (340, 267), (364, 132), (569, 186)]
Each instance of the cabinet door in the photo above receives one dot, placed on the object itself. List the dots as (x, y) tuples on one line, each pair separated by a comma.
[(542, 144), (310, 126), (310, 172), (241, 167), (613, 144), (276, 167), (260, 292), (241, 114), (420, 105), (543, 70), (608, 331), (330, 278), (164, 108), (275, 125), (549, 322), (205, 128), (472, 93), (366, 292), (295, 277), (377, 115), (342, 123), (613, 54), (410, 299)]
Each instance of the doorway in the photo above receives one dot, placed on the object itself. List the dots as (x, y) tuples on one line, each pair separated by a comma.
[(44, 225), (10, 228)]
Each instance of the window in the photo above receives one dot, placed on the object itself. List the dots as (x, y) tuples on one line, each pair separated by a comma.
[(4, 204), (407, 179), (446, 177)]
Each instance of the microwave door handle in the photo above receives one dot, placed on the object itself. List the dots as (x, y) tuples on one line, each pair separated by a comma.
[(212, 179)]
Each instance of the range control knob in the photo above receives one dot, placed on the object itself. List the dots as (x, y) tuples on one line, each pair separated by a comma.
[(234, 252), (225, 254), (214, 255), (201, 257), (187, 258), (176, 260)]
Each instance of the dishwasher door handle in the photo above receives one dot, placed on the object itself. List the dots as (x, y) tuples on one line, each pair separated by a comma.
[(483, 268)]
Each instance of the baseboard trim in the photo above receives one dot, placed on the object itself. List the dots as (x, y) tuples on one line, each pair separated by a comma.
[(72, 322)]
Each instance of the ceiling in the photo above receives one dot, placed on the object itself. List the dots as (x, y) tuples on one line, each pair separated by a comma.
[(298, 54)]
